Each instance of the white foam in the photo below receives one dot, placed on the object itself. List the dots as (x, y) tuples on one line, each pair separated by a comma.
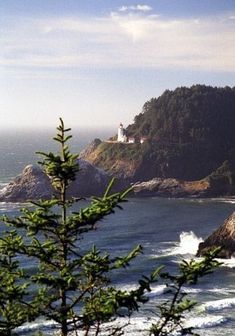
[(218, 304), (127, 287), (139, 325), (220, 290), (230, 263), (188, 244), (155, 291), (191, 290), (9, 206), (161, 253), (136, 326), (30, 326), (3, 184), (230, 200), (217, 290), (212, 200), (207, 321)]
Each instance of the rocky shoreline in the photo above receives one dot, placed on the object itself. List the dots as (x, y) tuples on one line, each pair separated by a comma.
[(223, 237), (33, 184), (171, 187)]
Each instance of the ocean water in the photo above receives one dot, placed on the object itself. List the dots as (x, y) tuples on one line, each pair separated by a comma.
[(18, 147), (168, 229)]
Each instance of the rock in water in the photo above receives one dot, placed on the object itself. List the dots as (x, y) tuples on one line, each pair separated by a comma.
[(33, 184), (223, 237), (90, 181)]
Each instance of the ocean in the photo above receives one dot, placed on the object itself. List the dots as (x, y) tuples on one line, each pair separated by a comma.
[(168, 229)]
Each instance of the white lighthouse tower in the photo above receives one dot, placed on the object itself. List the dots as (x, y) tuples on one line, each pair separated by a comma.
[(121, 134)]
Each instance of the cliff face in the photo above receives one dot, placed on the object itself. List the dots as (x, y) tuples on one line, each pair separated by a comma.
[(223, 237), (117, 159), (138, 163), (90, 149)]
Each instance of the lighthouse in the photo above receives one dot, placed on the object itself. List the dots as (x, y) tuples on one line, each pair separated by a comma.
[(121, 134)]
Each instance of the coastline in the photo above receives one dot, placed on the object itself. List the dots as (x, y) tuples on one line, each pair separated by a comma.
[(33, 184)]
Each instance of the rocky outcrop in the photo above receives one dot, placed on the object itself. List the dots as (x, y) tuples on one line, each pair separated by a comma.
[(90, 181), (223, 237), (33, 184), (171, 187), (90, 148), (120, 160), (144, 162)]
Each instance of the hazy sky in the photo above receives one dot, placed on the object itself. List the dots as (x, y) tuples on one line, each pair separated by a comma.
[(95, 62)]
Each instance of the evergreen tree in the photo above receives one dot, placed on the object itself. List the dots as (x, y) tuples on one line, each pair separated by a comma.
[(13, 309), (69, 285), (72, 285)]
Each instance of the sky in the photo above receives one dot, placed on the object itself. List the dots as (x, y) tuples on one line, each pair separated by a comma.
[(96, 62)]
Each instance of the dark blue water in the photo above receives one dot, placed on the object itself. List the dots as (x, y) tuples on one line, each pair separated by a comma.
[(168, 229), (18, 147)]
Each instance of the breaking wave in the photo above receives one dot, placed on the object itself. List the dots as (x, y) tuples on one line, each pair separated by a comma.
[(33, 326), (217, 305), (9, 207), (188, 244), (204, 321), (155, 291), (230, 263)]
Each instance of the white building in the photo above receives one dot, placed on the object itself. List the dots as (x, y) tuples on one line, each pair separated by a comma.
[(131, 140), (121, 134), (143, 139)]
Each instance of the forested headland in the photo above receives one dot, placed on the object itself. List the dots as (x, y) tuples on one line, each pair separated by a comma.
[(189, 135)]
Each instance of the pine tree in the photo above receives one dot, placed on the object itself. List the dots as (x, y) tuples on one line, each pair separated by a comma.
[(72, 285), (13, 309), (69, 285)]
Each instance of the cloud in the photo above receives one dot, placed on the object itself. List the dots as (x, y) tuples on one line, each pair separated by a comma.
[(134, 26), (141, 8), (123, 8), (121, 40)]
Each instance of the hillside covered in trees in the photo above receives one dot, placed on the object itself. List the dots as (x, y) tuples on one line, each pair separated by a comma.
[(190, 135)]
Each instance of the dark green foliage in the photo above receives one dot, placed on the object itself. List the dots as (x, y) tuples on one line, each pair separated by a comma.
[(190, 129), (13, 311), (188, 115), (223, 176)]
